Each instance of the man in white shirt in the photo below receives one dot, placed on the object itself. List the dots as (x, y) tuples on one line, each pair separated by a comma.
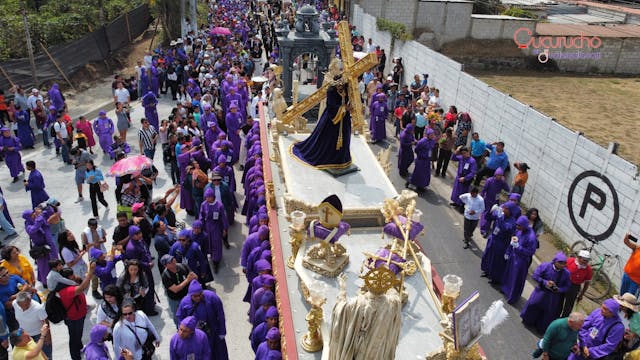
[(371, 47), (33, 98), (62, 135), (253, 109), (94, 236), (473, 207), (121, 94), (31, 315)]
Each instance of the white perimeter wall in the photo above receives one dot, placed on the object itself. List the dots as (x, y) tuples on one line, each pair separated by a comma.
[(555, 154)]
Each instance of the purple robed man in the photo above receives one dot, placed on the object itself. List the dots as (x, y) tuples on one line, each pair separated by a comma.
[(405, 153), (379, 113), (104, 128), (519, 253), (214, 218), (150, 104), (252, 241), (10, 149), (38, 229), (268, 349), (234, 120), (466, 171), (145, 83), (490, 191), (207, 308), (504, 227), (601, 332), (25, 134), (96, 349), (329, 143), (155, 81), (259, 334), (190, 342), (56, 97), (421, 176), (545, 303), (35, 185)]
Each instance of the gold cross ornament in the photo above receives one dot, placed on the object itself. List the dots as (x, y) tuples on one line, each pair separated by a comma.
[(351, 71)]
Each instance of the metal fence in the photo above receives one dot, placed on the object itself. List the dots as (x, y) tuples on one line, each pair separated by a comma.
[(70, 57)]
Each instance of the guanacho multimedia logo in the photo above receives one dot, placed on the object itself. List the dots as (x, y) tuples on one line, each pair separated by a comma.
[(543, 44)]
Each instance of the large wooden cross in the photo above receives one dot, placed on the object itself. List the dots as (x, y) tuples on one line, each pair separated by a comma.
[(352, 70)]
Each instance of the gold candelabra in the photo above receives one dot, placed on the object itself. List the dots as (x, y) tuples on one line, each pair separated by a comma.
[(297, 232), (312, 340)]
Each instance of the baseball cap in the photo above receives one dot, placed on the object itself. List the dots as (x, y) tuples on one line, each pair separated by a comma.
[(584, 254)]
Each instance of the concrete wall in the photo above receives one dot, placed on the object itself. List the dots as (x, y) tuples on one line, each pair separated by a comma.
[(497, 26), (557, 155), (616, 55), (448, 20)]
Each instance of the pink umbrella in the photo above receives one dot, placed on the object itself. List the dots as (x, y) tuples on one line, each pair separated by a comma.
[(130, 165), (220, 31)]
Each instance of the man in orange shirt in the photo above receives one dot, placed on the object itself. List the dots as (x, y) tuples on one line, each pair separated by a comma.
[(631, 276)]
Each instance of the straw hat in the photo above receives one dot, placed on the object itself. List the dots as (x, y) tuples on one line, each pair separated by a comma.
[(627, 300)]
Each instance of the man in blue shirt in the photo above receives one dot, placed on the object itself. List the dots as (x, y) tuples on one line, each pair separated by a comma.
[(478, 147), (497, 159)]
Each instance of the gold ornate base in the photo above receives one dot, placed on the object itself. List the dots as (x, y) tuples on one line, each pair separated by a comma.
[(448, 352), (311, 343), (330, 268), (291, 261)]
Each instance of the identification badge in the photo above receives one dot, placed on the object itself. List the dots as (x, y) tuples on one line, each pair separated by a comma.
[(215, 215), (226, 179), (429, 153), (228, 158), (496, 231), (593, 332), (191, 356), (466, 166)]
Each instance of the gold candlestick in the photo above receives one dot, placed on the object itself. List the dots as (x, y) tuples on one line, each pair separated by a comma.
[(312, 340), (297, 231)]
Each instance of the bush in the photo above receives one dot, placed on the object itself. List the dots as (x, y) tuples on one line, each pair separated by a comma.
[(53, 22), (518, 12), (397, 30)]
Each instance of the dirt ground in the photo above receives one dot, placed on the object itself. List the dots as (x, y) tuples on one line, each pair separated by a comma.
[(603, 108)]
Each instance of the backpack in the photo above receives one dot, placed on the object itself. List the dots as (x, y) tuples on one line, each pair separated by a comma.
[(52, 131), (56, 312)]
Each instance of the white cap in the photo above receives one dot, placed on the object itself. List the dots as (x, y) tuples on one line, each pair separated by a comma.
[(34, 90), (172, 43), (584, 254)]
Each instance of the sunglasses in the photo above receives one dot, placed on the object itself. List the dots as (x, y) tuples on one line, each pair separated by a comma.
[(4, 275), (19, 332), (127, 314), (182, 240), (217, 180)]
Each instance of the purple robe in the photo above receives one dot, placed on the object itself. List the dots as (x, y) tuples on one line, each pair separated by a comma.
[(196, 346), (210, 311), (96, 349), (233, 122), (25, 134), (40, 234), (186, 200), (405, 152), (321, 149), (210, 137), (150, 104), (545, 305), (493, 262), (145, 84), (599, 346), (466, 168), (489, 193), (258, 336), (518, 263), (251, 242), (35, 185), (421, 176), (377, 125), (322, 232), (155, 83), (214, 218), (12, 158), (194, 258), (56, 97), (230, 98), (104, 128)]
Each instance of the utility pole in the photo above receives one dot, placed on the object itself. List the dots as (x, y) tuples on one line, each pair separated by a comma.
[(183, 31), (101, 12), (29, 46)]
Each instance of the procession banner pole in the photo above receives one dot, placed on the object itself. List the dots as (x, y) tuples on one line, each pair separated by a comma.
[(55, 63), (7, 76), (126, 20)]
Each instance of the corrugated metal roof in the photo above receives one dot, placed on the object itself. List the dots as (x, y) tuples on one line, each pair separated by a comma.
[(610, 31), (605, 6)]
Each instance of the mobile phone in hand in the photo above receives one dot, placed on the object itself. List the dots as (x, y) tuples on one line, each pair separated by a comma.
[(633, 238)]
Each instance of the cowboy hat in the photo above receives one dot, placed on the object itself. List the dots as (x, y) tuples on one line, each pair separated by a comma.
[(627, 300)]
